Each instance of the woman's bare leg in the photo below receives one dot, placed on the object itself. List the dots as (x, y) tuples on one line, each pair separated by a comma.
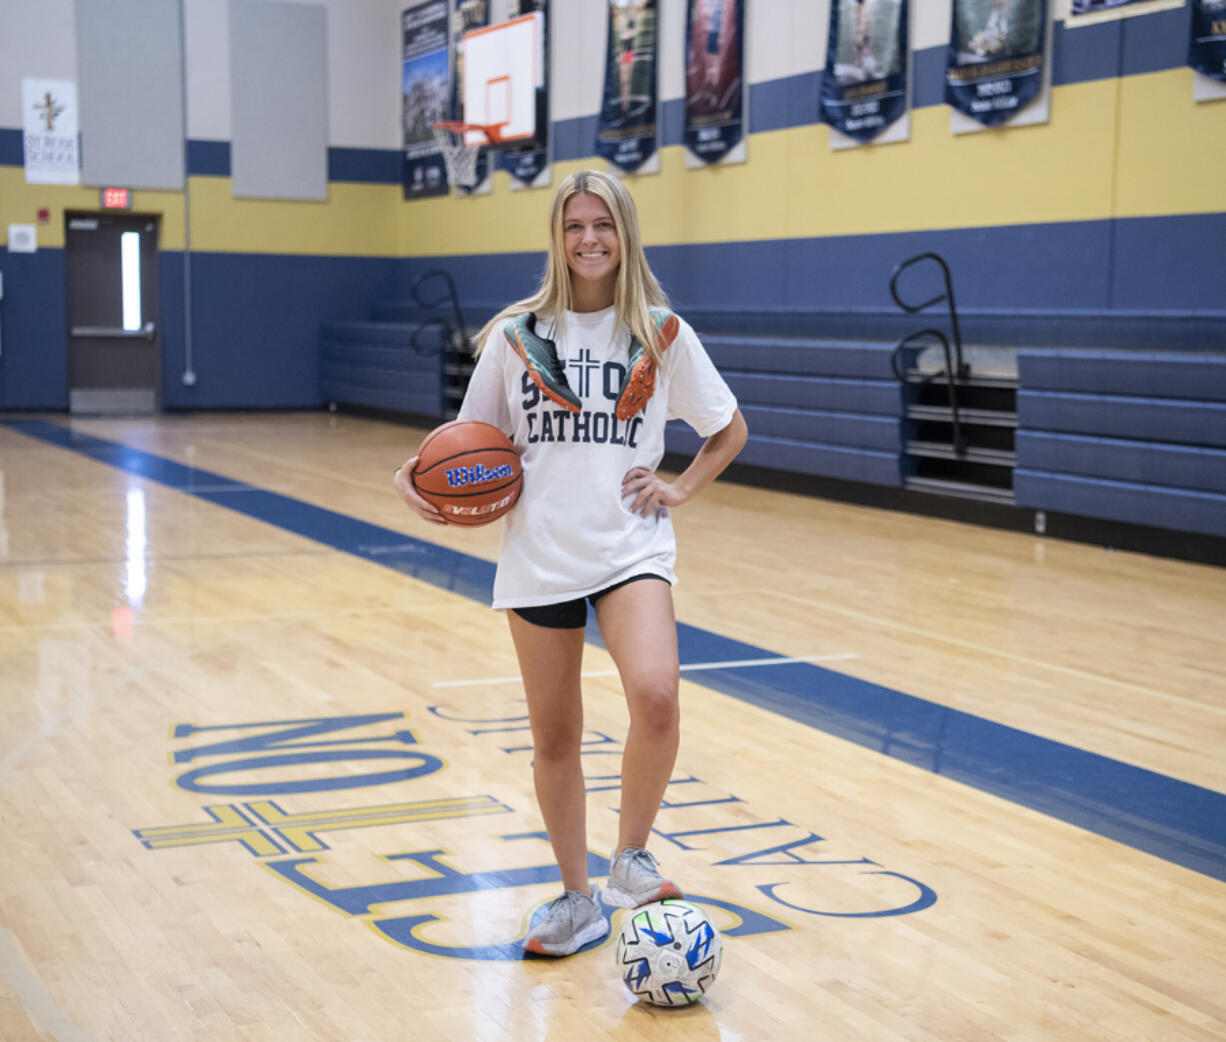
[(549, 662), (640, 633)]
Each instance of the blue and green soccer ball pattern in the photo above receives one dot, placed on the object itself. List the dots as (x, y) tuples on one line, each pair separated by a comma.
[(668, 953)]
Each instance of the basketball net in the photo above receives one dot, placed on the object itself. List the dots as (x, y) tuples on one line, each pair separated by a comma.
[(461, 157)]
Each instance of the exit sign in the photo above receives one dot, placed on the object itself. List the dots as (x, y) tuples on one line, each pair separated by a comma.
[(117, 199)]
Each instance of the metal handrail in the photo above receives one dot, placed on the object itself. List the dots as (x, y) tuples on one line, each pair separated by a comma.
[(459, 333), (963, 370), (431, 349), (959, 442)]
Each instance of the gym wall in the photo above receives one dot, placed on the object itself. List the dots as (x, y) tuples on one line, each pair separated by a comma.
[(1104, 225)]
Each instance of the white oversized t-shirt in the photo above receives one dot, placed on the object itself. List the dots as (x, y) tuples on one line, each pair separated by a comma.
[(571, 533)]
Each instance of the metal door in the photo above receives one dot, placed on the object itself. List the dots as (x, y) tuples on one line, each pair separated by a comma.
[(114, 352)]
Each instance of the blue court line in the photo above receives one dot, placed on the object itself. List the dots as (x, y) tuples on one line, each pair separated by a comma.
[(1171, 819)]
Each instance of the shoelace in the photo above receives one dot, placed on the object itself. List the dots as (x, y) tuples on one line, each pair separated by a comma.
[(544, 358), (640, 855), (563, 903), (556, 369), (544, 353)]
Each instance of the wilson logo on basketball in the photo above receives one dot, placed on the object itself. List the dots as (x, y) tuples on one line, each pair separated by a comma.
[(458, 477), (470, 471)]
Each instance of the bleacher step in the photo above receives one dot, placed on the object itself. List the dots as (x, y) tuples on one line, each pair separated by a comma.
[(959, 489), (940, 379), (972, 454), (943, 414)]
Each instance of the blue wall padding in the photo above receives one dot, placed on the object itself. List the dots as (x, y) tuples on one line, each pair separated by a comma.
[(991, 268), (1157, 506), (833, 428), (487, 282), (395, 333), (801, 457), (257, 347), (1145, 419), (33, 313), (406, 311), (1171, 263), (812, 392), (1150, 374), (1009, 281), (1145, 463), (811, 358), (377, 366)]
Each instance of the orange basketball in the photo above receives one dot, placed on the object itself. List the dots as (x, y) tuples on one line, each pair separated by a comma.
[(470, 471)]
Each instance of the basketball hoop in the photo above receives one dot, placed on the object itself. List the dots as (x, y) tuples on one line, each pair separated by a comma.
[(461, 157)]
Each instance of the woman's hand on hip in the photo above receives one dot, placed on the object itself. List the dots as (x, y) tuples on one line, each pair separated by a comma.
[(650, 491)]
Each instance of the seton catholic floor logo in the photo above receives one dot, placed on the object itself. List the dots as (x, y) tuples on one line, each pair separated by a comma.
[(291, 842)]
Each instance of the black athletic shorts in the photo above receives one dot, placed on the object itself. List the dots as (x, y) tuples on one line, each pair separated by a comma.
[(570, 615)]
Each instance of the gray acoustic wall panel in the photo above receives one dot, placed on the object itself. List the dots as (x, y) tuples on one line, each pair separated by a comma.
[(279, 99), (130, 66)]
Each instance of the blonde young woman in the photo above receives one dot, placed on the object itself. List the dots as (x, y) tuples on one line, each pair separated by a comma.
[(582, 376)]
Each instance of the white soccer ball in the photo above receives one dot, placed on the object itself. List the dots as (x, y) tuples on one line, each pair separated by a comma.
[(668, 953)]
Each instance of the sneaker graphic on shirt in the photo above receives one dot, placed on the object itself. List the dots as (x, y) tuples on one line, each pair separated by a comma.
[(640, 382), (634, 880), (571, 921), (541, 358)]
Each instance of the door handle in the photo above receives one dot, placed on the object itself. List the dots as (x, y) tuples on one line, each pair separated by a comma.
[(108, 333)]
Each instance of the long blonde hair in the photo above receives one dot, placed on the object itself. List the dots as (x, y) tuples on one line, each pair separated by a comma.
[(636, 290)]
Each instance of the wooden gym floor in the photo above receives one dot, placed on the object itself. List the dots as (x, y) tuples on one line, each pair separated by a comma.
[(264, 772)]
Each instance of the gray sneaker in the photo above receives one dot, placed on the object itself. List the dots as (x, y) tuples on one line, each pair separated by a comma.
[(570, 922), (634, 880)]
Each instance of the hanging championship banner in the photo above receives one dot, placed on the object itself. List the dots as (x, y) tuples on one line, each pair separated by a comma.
[(1207, 51), (714, 78), (49, 138), (626, 132), (527, 160), (467, 16), (864, 89), (995, 63), (425, 95)]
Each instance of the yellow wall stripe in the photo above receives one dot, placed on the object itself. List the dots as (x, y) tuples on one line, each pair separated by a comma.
[(356, 221), (1170, 156), (20, 203), (1172, 152)]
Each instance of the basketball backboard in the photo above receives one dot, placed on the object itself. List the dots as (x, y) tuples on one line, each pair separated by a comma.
[(503, 67)]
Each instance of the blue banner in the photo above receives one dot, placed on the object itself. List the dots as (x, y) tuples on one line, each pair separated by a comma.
[(527, 160), (626, 132), (1207, 51), (995, 63), (864, 88), (425, 95), (714, 78)]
